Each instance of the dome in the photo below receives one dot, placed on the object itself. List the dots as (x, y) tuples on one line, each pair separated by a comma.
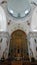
[(18, 8)]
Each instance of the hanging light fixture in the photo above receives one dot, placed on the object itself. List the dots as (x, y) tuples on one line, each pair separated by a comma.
[(18, 8)]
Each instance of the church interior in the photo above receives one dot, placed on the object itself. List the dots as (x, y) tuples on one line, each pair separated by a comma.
[(18, 32)]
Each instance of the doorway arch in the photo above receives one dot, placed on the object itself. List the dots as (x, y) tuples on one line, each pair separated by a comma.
[(18, 45)]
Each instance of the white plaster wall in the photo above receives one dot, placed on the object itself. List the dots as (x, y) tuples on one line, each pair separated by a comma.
[(33, 28), (3, 21), (33, 47), (14, 26), (3, 29)]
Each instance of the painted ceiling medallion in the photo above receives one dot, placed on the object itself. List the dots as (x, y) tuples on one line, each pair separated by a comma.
[(18, 8)]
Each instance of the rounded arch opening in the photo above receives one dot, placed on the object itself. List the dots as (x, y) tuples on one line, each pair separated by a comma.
[(18, 45)]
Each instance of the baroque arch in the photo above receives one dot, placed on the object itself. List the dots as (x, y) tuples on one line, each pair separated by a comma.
[(18, 45)]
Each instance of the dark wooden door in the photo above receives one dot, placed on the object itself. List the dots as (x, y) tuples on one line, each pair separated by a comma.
[(18, 45)]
